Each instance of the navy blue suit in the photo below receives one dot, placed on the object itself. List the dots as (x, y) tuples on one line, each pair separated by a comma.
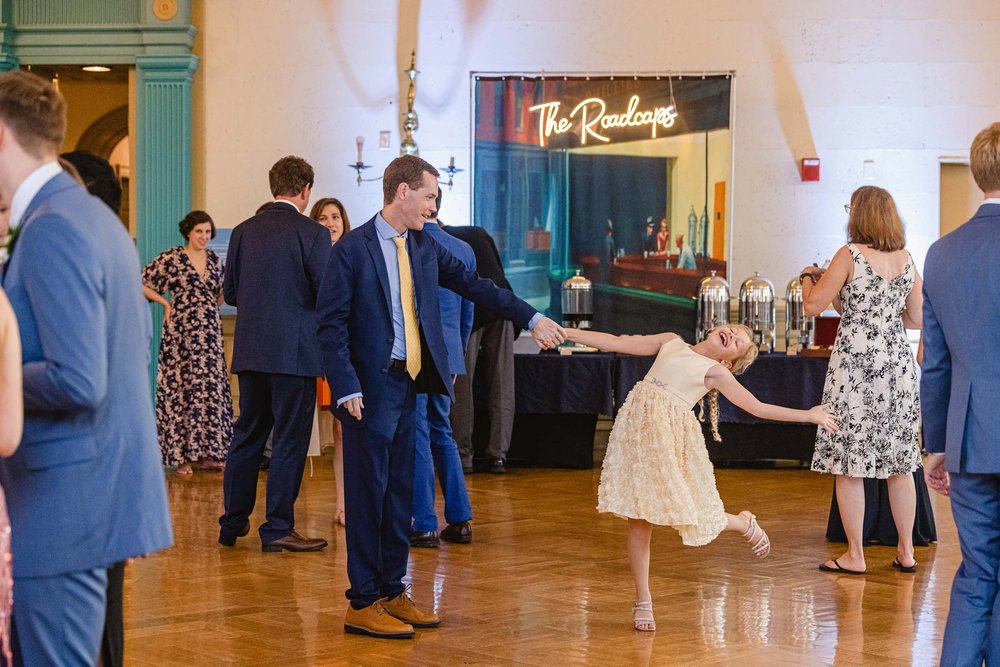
[(274, 268), (356, 338), (85, 489), (958, 389)]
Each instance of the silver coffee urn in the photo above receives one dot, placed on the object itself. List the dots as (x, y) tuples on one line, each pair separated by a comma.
[(799, 329), (757, 310), (712, 305), (577, 302)]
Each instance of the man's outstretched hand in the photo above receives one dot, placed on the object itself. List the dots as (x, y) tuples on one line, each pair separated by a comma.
[(547, 334)]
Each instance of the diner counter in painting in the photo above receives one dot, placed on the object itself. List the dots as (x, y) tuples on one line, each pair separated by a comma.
[(651, 275)]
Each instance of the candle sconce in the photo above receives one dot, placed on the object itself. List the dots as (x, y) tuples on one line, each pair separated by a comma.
[(451, 170), (410, 124), (360, 167)]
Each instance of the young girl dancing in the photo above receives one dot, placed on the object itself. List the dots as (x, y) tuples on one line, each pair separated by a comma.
[(656, 470)]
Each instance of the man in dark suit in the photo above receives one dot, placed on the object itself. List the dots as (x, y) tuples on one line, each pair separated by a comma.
[(958, 388), (435, 446), (85, 489), (382, 342), (490, 351), (274, 269)]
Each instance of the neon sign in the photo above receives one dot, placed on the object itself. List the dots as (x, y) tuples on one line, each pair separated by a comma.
[(593, 117)]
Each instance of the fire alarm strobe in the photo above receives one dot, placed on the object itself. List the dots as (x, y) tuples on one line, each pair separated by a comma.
[(810, 169)]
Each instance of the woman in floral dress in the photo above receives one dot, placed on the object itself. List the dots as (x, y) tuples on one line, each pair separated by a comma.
[(194, 406), (871, 383)]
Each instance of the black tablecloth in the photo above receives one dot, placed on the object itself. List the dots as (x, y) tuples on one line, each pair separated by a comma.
[(879, 527), (790, 381), (550, 383), (557, 400)]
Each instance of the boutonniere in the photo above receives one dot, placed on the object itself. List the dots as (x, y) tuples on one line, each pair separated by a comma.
[(7, 245)]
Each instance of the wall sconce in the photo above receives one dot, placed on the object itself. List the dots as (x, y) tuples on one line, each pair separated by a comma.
[(410, 124), (360, 167)]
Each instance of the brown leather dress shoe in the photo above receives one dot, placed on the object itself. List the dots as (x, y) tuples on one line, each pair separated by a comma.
[(402, 607), (228, 539), (459, 533), (428, 540), (294, 542), (375, 621)]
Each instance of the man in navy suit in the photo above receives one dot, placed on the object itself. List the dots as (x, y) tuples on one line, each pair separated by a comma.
[(436, 448), (958, 387), (85, 490), (382, 342), (274, 268)]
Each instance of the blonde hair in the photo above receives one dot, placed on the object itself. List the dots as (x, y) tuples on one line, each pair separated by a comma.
[(874, 220), (740, 365), (984, 158)]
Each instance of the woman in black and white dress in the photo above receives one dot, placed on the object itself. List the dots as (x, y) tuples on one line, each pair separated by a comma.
[(871, 383)]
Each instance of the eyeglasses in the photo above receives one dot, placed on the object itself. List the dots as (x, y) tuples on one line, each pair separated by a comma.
[(847, 208)]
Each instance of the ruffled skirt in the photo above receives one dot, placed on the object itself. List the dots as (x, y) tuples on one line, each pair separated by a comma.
[(657, 468)]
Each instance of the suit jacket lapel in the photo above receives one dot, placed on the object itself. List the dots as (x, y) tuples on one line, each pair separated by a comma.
[(417, 247), (375, 251), (60, 181)]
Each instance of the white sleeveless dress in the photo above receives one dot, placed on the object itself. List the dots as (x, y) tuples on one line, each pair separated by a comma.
[(657, 467)]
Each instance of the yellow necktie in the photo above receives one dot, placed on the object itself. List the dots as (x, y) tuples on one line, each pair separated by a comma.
[(408, 302)]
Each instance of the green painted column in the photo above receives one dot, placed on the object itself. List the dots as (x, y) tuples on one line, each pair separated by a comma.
[(163, 169)]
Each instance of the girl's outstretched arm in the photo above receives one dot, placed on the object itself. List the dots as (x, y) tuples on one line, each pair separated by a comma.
[(718, 377), (639, 345)]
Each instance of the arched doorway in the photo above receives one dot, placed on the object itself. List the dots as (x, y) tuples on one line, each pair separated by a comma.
[(154, 39), (108, 137)]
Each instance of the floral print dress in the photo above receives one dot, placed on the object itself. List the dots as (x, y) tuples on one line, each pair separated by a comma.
[(194, 406), (871, 383)]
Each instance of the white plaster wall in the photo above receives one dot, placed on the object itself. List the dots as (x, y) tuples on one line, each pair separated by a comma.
[(900, 82)]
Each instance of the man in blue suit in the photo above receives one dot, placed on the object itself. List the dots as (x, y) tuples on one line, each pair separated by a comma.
[(85, 490), (436, 448), (382, 343), (274, 268), (959, 387)]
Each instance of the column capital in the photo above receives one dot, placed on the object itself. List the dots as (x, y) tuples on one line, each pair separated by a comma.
[(172, 67)]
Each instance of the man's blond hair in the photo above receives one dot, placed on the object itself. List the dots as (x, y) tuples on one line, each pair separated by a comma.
[(33, 111), (984, 158)]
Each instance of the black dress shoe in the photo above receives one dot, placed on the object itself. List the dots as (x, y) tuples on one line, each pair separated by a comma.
[(459, 533), (428, 540), (498, 466), (294, 542), (228, 539), (467, 469)]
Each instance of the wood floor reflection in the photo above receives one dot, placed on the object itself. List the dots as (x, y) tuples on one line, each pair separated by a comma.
[(545, 582)]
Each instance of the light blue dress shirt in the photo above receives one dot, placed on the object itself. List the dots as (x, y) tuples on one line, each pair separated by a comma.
[(385, 235)]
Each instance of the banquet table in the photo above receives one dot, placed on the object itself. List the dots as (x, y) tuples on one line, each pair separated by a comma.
[(560, 396)]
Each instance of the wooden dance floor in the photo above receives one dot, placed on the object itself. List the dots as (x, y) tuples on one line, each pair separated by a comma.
[(545, 582)]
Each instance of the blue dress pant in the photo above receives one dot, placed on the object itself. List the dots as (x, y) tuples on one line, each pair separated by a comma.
[(436, 449), (284, 404), (58, 620), (378, 493), (972, 633)]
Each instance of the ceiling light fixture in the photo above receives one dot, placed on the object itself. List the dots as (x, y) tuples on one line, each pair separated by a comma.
[(96, 68)]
